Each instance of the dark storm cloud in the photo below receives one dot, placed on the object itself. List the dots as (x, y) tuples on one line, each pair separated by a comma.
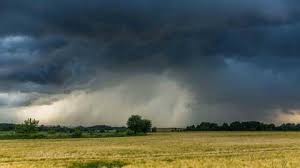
[(239, 56)]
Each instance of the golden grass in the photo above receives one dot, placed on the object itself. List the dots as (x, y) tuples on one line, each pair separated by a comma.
[(195, 149)]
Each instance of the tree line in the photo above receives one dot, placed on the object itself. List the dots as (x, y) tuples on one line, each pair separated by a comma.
[(243, 126), (137, 125), (23, 128), (30, 128)]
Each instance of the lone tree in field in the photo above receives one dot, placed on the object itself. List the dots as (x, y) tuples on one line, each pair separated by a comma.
[(137, 124), (28, 127)]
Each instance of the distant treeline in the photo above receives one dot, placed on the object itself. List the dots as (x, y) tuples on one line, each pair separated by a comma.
[(204, 126), (243, 126), (30, 129), (64, 129)]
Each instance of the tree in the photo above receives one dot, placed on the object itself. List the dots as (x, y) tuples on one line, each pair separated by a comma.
[(28, 127), (7, 127), (147, 125), (137, 124), (236, 126), (225, 127)]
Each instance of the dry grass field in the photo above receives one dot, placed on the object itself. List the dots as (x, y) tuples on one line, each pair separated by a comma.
[(194, 149)]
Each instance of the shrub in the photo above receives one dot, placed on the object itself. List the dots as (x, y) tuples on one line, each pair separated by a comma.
[(154, 129), (28, 127), (76, 134)]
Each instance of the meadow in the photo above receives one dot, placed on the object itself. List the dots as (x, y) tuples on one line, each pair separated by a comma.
[(182, 149)]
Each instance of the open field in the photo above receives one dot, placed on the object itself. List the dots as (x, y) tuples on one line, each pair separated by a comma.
[(187, 149)]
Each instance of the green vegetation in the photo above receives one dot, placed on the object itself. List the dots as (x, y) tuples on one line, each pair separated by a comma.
[(99, 164), (138, 125), (29, 126), (46, 135), (31, 130), (243, 126)]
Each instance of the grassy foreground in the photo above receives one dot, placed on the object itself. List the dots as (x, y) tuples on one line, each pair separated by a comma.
[(187, 149)]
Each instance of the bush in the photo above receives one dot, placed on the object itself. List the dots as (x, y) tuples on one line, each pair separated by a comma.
[(130, 132), (154, 129), (28, 127), (76, 134), (52, 131)]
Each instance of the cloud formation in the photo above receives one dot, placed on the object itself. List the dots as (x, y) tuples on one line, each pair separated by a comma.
[(184, 62)]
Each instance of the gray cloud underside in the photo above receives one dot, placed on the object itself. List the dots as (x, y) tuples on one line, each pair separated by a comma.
[(239, 59)]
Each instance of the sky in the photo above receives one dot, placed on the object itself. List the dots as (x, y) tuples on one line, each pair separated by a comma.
[(74, 62)]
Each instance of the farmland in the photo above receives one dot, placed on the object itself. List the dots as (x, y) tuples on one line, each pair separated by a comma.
[(185, 149)]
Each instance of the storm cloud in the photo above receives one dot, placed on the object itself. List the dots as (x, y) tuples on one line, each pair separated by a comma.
[(175, 62)]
